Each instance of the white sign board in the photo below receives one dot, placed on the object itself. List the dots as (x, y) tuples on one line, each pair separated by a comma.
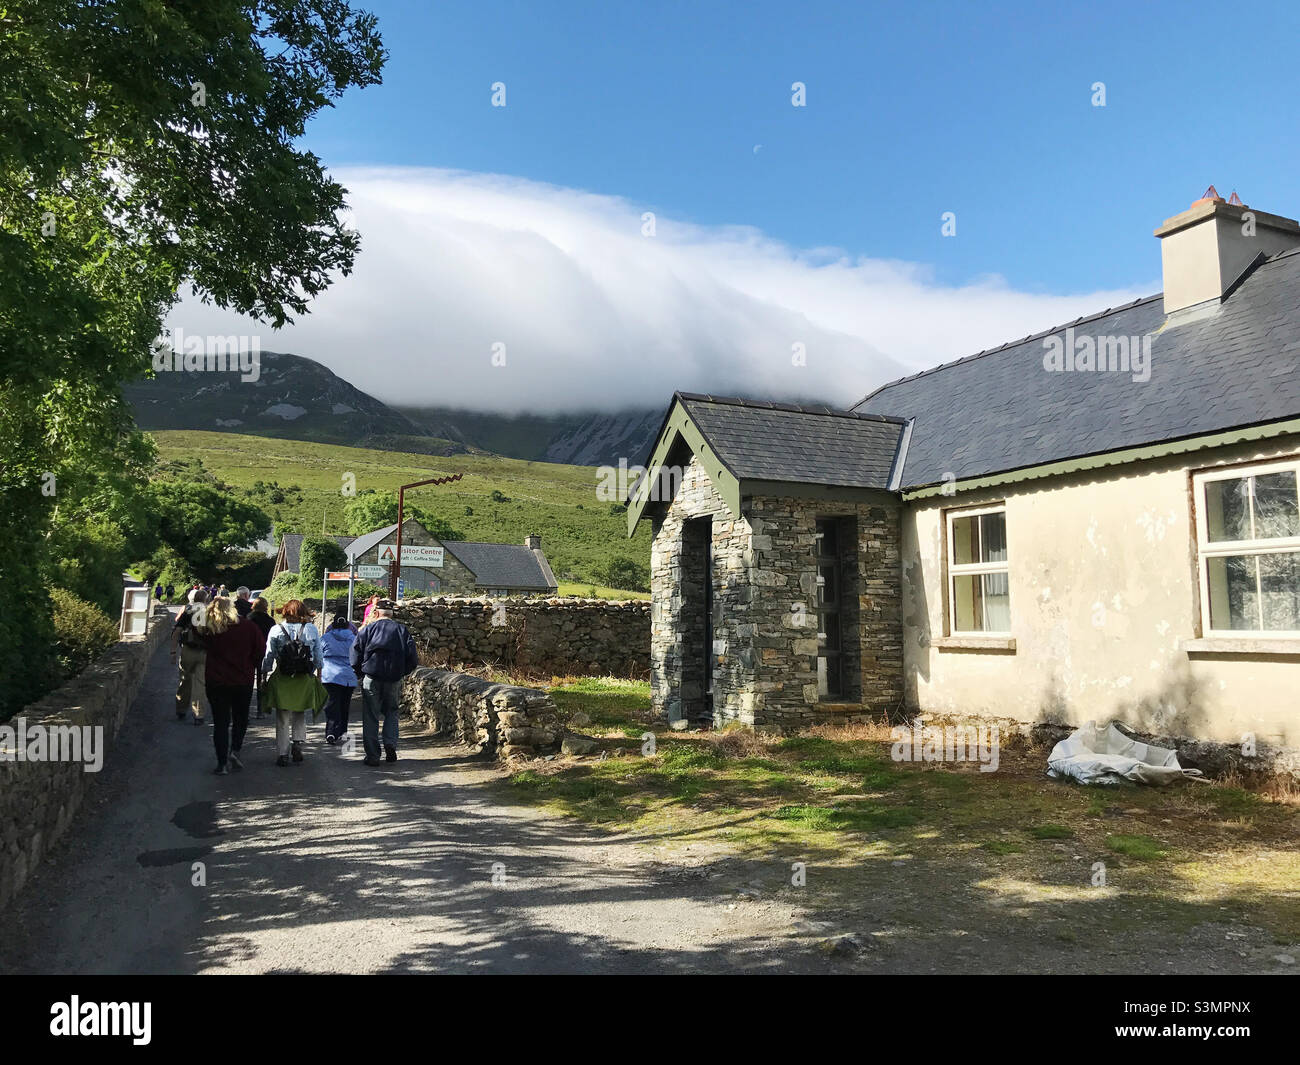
[(412, 555), (419, 555), (369, 573), (135, 612)]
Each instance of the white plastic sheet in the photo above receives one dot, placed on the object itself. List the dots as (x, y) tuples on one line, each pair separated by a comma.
[(1101, 754)]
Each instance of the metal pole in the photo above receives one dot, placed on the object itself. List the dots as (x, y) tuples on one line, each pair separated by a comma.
[(324, 590), (352, 573), (395, 570)]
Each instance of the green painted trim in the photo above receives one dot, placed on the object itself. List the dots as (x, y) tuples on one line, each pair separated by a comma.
[(829, 492), (679, 426), (1111, 458)]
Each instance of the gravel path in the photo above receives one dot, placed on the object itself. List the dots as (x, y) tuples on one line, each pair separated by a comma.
[(331, 866)]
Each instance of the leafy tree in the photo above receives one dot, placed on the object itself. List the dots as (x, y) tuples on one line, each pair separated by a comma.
[(203, 523), (371, 510), (625, 573), (148, 145)]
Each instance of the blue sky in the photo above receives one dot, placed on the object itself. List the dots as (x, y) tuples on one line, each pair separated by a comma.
[(913, 110), (522, 226)]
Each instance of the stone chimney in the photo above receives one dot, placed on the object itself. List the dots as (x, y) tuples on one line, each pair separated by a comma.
[(1206, 249), (533, 542)]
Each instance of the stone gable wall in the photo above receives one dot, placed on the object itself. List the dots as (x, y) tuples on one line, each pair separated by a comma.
[(762, 650)]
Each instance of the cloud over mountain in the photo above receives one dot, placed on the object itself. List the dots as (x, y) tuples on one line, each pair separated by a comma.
[(594, 314)]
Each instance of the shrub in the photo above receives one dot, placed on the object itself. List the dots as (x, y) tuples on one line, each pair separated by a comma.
[(82, 631), (318, 554)]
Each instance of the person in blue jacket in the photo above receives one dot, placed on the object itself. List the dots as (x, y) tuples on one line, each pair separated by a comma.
[(383, 654), (340, 681)]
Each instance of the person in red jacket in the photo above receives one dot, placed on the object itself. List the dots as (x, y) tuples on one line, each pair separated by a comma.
[(235, 648)]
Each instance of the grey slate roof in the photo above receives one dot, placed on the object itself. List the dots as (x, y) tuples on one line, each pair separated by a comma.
[(1000, 410), (759, 441), (293, 548), (501, 565), (358, 547)]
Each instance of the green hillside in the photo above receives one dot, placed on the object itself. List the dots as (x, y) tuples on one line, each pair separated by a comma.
[(579, 532)]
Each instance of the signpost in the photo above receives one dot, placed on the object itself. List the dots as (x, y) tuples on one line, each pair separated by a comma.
[(135, 612), (393, 571)]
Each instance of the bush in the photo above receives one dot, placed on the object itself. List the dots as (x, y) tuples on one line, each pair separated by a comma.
[(626, 574), (318, 554), (82, 632), (283, 588)]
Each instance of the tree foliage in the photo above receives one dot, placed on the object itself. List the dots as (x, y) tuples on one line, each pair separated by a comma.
[(148, 145)]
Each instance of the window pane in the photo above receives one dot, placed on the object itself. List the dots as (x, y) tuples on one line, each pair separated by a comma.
[(1279, 582), (827, 591), (993, 537), (997, 603), (1277, 510), (966, 616), (1227, 510), (981, 602), (1234, 589), (965, 541)]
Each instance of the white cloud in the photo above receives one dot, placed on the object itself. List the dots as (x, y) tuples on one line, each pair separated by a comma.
[(594, 315)]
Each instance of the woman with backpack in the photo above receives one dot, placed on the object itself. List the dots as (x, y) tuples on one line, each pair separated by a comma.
[(340, 681), (293, 650)]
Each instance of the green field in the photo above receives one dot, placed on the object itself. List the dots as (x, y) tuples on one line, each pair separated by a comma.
[(579, 531)]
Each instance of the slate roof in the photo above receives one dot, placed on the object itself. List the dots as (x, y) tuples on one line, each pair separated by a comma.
[(358, 547), (293, 548), (502, 565), (1000, 410), (760, 441)]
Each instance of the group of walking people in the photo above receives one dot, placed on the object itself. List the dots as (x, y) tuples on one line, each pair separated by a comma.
[(229, 649)]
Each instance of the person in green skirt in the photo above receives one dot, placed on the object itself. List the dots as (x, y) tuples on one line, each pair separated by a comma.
[(293, 650)]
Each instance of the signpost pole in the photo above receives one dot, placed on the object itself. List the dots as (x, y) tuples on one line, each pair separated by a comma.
[(394, 571), (352, 573), (324, 591)]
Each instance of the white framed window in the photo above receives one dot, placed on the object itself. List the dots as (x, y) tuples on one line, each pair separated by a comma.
[(979, 588), (1248, 545)]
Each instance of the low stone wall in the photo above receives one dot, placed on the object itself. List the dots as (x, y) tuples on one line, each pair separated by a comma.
[(38, 800), (501, 720), (588, 636)]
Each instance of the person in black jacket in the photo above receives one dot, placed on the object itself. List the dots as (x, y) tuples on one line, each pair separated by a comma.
[(384, 653)]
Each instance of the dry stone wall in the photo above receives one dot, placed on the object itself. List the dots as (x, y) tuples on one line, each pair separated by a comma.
[(499, 720), (39, 799), (554, 636)]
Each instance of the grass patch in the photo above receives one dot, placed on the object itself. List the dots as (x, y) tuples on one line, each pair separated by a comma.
[(1001, 846), (1143, 848)]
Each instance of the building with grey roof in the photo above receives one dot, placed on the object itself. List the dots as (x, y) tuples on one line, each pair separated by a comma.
[(1099, 521), (436, 567)]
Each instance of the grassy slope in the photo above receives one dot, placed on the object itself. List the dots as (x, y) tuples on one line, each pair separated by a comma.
[(578, 531)]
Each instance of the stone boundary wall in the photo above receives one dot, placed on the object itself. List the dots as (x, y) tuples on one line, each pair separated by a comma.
[(501, 720), (38, 800), (554, 636)]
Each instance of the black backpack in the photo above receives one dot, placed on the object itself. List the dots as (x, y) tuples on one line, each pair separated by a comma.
[(294, 659)]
